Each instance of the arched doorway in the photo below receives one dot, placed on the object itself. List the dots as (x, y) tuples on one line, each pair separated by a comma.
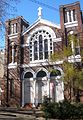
[(41, 86), (56, 86), (28, 87)]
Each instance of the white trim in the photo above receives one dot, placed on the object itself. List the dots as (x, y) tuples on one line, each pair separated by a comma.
[(68, 15), (35, 64), (71, 24), (12, 65), (11, 36), (43, 69), (71, 59), (24, 45), (49, 23), (22, 93), (59, 68), (43, 21), (47, 29), (72, 16), (29, 70), (76, 58), (57, 39)]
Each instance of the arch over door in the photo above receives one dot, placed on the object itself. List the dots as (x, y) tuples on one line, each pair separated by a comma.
[(56, 86), (28, 87), (41, 74), (53, 83), (55, 73), (28, 75), (40, 85)]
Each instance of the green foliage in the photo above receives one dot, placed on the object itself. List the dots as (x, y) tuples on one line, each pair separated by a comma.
[(74, 39), (69, 71), (62, 110), (78, 82), (73, 75), (55, 72), (61, 55), (50, 109)]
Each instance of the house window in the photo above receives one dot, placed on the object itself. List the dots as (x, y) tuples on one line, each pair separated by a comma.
[(77, 50), (13, 28), (35, 51), (46, 48), (70, 16), (11, 88), (74, 43), (65, 17), (12, 53), (74, 15), (40, 45)]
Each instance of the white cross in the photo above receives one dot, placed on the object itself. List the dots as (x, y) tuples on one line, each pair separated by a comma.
[(39, 12)]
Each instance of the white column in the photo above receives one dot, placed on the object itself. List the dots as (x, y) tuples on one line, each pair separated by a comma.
[(12, 52), (59, 90), (68, 16), (34, 87), (72, 46), (72, 16), (22, 93), (48, 87)]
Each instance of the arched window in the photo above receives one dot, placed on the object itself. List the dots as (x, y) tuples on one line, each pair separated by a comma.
[(28, 75), (41, 74), (12, 53), (40, 45), (55, 73), (46, 49), (35, 51)]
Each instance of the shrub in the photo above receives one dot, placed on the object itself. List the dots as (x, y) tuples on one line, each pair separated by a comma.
[(62, 110)]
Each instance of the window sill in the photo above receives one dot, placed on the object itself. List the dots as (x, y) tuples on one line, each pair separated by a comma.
[(15, 34), (12, 65), (73, 59), (69, 24)]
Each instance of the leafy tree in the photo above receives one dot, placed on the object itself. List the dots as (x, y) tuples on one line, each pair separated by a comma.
[(73, 73)]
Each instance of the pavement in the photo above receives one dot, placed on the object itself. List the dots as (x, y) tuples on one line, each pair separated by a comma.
[(13, 114)]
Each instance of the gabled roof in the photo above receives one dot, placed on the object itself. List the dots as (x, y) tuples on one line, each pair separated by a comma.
[(43, 21)]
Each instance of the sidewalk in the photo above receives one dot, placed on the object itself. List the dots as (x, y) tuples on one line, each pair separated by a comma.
[(12, 114)]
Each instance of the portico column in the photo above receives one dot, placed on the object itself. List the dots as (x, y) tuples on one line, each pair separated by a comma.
[(22, 93), (48, 87), (34, 86)]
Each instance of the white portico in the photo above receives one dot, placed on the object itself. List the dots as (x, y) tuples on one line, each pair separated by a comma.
[(42, 83)]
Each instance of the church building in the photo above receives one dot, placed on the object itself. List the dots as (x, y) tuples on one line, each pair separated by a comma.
[(28, 69)]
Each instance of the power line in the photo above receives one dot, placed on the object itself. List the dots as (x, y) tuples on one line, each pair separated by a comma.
[(45, 5)]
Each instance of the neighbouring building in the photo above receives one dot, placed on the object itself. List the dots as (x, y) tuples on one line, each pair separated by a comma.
[(1, 75), (28, 69)]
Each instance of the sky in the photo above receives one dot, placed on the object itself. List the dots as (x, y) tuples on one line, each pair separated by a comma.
[(29, 10)]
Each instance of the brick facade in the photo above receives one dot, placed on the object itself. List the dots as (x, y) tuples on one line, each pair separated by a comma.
[(23, 71)]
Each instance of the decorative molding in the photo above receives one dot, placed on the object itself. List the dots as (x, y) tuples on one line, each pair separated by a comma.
[(43, 21), (71, 24), (11, 36), (12, 65)]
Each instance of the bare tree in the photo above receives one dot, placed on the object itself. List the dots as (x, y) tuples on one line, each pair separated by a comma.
[(7, 9)]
